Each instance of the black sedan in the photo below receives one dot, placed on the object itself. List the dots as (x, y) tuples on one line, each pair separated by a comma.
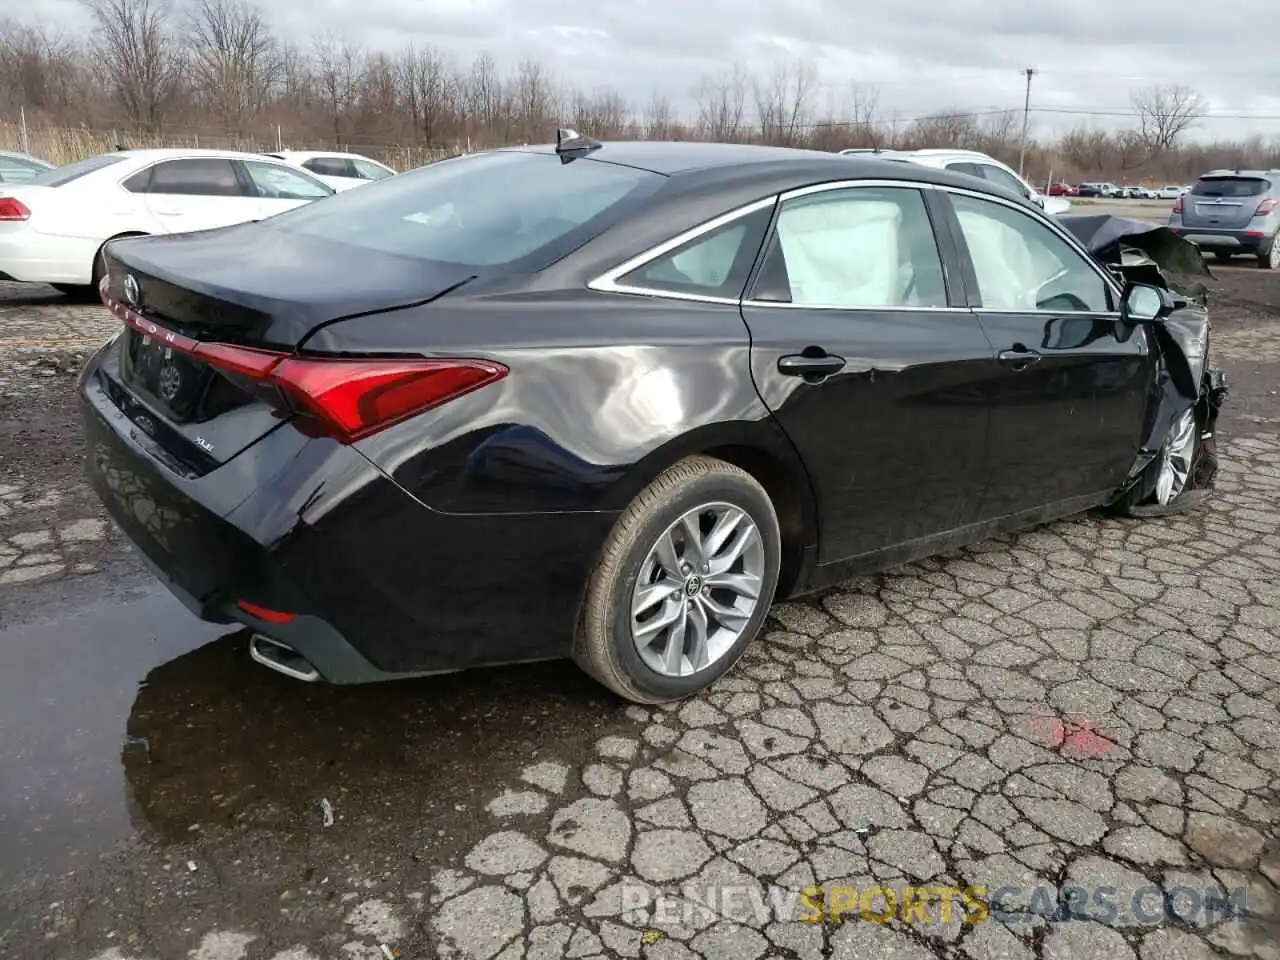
[(609, 401)]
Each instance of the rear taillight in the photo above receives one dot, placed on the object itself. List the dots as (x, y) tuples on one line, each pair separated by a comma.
[(1265, 207), (11, 208), (359, 397), (349, 398), (1177, 206)]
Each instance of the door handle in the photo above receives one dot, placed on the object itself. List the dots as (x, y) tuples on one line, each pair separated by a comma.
[(811, 365), (1018, 358)]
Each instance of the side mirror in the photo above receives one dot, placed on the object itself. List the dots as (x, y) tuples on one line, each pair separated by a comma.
[(1144, 303)]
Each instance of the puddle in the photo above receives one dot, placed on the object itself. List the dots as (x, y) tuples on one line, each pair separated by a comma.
[(67, 685), (134, 720)]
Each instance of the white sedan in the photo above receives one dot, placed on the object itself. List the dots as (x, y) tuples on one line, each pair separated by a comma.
[(1169, 193), (342, 171), (53, 227)]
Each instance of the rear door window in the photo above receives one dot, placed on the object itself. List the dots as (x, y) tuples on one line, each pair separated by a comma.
[(196, 177), (330, 166), (967, 168), (1231, 187)]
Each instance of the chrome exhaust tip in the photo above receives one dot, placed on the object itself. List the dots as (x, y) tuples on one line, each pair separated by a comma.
[(282, 658)]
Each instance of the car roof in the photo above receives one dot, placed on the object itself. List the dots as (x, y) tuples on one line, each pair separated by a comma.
[(173, 153), (709, 161), (318, 153)]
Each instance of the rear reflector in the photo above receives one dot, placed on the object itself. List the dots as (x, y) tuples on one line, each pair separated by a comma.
[(11, 208), (350, 398), (1177, 206), (266, 614)]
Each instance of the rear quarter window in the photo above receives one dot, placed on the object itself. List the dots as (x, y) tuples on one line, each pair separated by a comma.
[(1231, 187)]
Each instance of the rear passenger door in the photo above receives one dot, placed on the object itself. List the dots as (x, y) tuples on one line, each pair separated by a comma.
[(195, 193), (863, 349)]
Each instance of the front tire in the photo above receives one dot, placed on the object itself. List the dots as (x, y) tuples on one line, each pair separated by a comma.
[(1169, 476), (684, 583)]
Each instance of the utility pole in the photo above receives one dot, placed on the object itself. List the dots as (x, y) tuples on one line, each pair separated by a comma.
[(1026, 112)]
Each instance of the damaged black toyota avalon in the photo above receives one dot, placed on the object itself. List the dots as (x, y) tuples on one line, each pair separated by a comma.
[(608, 402)]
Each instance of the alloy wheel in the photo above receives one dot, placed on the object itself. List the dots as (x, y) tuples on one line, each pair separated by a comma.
[(1175, 459), (697, 589), (1273, 257)]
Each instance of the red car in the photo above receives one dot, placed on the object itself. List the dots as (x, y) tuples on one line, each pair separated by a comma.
[(1061, 190)]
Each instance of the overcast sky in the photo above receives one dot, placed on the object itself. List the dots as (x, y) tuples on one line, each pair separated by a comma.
[(923, 55)]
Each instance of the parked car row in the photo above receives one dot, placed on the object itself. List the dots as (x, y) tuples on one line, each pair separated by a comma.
[(1129, 192), (55, 222)]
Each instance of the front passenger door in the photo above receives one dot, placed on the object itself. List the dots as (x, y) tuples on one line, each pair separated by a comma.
[(1069, 386), (862, 349)]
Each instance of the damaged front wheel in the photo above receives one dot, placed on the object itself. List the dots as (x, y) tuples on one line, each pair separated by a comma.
[(1167, 485)]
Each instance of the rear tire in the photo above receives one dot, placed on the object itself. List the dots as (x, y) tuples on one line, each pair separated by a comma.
[(1271, 259), (653, 635), (1222, 256)]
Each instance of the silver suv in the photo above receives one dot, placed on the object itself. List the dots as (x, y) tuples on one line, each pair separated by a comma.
[(1232, 211)]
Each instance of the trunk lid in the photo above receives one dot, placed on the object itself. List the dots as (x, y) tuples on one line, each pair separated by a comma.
[(1225, 202), (234, 286), (266, 288)]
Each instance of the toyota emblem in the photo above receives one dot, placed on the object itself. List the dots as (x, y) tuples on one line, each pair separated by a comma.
[(131, 289)]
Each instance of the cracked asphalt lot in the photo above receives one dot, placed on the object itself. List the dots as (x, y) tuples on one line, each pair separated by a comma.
[(1071, 737)]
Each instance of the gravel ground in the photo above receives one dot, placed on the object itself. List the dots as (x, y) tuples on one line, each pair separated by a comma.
[(1083, 716)]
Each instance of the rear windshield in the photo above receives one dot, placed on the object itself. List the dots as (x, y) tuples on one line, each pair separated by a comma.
[(483, 210), (1231, 187), (73, 171)]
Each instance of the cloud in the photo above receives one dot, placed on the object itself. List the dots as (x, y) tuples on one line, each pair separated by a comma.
[(922, 55)]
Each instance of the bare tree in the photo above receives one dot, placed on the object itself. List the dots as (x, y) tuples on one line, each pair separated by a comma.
[(234, 59), (722, 101), (534, 101), (337, 73), (427, 90), (782, 102), (139, 56), (1165, 112), (660, 119)]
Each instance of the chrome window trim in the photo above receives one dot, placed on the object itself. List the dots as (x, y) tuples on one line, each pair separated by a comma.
[(607, 282)]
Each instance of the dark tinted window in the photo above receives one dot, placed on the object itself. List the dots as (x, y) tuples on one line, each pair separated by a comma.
[(140, 182), (970, 168), (482, 210), (1231, 187), (199, 177), (329, 166), (715, 264), (73, 171)]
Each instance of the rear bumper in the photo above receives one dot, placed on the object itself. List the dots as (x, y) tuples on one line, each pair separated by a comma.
[(28, 256), (1217, 239), (380, 585)]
